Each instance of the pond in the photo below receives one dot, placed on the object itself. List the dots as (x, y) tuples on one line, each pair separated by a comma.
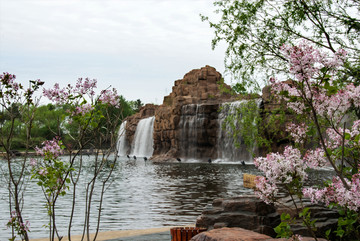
[(141, 195)]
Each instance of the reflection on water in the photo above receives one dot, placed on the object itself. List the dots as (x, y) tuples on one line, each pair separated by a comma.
[(142, 195)]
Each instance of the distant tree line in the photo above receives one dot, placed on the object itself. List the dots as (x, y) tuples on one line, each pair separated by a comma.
[(51, 121)]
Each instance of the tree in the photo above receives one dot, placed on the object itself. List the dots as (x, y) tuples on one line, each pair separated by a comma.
[(326, 106), (18, 106), (93, 121), (78, 119), (255, 30), (47, 123), (136, 105)]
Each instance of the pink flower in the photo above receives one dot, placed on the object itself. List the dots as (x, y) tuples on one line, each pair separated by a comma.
[(315, 158), (337, 193), (83, 109), (50, 149), (67, 94), (43, 172), (265, 190), (282, 168), (298, 132), (109, 97), (33, 162)]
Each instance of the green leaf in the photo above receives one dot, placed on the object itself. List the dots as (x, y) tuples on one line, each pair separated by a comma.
[(323, 70), (327, 233), (340, 232), (304, 212)]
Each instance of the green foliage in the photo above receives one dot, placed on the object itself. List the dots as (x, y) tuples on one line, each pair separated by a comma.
[(244, 124), (19, 228), (283, 230), (136, 105), (46, 122), (239, 88), (348, 224), (51, 173), (305, 214), (255, 30), (50, 121), (251, 126)]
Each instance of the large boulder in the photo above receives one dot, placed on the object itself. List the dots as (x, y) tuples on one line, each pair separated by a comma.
[(239, 234), (233, 234), (247, 212), (250, 213)]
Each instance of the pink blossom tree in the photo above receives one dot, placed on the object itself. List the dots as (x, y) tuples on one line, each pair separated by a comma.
[(93, 123), (328, 105), (18, 105)]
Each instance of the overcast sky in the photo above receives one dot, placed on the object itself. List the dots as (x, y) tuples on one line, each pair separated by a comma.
[(140, 47)]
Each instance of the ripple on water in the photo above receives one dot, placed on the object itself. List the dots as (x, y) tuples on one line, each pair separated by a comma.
[(142, 195)]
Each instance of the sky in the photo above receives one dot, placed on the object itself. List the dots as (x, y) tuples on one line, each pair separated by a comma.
[(139, 47)]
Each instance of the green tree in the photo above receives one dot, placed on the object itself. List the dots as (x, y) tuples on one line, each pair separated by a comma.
[(136, 105), (255, 30), (69, 130), (47, 123)]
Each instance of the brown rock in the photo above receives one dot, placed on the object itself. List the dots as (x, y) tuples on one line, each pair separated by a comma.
[(250, 213), (200, 88), (230, 234), (196, 87), (247, 212)]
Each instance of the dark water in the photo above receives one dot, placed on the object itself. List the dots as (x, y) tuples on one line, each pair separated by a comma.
[(142, 195)]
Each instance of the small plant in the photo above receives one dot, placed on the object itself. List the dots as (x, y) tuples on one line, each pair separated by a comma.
[(283, 230), (52, 175), (20, 228)]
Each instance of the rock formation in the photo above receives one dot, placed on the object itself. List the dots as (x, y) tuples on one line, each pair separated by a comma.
[(199, 86), (187, 123), (249, 212)]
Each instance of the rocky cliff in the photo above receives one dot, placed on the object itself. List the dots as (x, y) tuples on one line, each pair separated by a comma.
[(172, 138), (199, 86), (187, 123)]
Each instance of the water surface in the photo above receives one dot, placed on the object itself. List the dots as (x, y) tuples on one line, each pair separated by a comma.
[(141, 195)]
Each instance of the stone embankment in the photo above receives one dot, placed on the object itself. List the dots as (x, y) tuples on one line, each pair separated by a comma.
[(250, 213), (239, 234)]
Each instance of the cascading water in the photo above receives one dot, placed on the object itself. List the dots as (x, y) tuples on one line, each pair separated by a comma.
[(193, 133), (122, 145), (227, 151), (143, 139)]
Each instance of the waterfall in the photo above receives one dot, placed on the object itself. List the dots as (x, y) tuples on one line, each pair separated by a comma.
[(193, 131), (122, 145), (143, 139), (227, 151)]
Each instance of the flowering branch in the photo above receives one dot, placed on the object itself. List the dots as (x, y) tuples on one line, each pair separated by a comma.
[(318, 94)]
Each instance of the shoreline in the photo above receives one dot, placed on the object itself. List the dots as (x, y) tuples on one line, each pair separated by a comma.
[(65, 153), (108, 235)]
